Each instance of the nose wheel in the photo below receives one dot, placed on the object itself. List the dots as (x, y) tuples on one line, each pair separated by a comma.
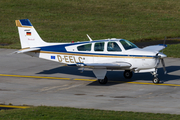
[(155, 80), (103, 81), (128, 74)]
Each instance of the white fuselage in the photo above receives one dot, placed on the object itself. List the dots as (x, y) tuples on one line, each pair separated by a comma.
[(139, 59)]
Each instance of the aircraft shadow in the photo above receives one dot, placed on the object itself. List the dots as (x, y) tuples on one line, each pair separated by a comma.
[(117, 75), (68, 70), (147, 76)]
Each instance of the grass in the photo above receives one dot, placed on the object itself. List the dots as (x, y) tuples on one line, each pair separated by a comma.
[(172, 51), (63, 21), (65, 113)]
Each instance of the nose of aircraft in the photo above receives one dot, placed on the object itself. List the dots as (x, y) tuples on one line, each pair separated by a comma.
[(162, 55)]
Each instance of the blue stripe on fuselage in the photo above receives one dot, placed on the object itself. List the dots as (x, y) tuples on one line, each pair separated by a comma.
[(61, 49), (100, 54), (110, 54)]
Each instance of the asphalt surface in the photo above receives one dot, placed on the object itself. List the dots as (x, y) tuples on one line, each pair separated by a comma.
[(25, 80)]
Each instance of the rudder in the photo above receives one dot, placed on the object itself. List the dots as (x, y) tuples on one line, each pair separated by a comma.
[(28, 35)]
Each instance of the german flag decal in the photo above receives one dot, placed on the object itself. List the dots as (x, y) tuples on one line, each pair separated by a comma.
[(28, 33)]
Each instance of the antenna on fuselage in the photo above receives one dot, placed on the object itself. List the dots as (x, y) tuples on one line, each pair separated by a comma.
[(89, 37)]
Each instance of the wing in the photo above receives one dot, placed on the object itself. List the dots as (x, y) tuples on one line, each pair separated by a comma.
[(118, 65), (155, 47)]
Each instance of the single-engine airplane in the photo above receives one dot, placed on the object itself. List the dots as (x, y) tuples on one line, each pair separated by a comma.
[(99, 55)]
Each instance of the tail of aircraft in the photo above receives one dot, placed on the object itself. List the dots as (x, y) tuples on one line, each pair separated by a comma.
[(28, 36)]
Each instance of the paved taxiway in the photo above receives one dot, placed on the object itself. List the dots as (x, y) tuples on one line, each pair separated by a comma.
[(35, 85)]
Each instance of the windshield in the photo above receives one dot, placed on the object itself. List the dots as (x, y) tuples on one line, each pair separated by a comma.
[(127, 45)]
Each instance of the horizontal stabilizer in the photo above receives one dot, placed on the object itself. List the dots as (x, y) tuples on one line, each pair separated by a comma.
[(27, 50), (154, 47)]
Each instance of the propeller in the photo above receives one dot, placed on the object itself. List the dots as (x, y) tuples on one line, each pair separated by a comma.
[(162, 60), (163, 64), (161, 57)]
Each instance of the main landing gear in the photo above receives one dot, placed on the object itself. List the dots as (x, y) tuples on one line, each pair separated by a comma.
[(103, 81), (128, 74)]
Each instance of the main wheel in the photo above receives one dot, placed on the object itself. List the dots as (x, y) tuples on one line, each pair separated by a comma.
[(155, 80), (128, 74), (103, 81)]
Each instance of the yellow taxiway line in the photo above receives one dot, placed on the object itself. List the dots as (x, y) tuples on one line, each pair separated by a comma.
[(11, 106), (34, 76), (85, 79), (142, 83)]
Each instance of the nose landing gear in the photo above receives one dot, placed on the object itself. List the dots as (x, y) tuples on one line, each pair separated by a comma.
[(155, 79)]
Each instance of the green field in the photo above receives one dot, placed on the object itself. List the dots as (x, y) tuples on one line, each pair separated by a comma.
[(65, 113), (172, 51), (67, 20)]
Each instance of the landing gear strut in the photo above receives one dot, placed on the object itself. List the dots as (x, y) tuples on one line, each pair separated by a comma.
[(128, 74), (103, 81), (155, 79)]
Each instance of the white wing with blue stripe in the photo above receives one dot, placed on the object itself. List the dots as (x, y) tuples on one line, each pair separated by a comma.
[(154, 47)]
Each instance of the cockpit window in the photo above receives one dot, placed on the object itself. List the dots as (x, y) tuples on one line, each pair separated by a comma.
[(99, 46), (127, 45), (86, 47), (113, 47)]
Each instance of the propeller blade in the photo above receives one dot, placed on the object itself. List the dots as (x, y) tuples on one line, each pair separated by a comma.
[(163, 64)]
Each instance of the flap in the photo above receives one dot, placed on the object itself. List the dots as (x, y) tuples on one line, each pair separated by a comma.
[(108, 65)]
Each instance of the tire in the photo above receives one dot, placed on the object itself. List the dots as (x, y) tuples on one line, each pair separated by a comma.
[(103, 81), (128, 74), (155, 80)]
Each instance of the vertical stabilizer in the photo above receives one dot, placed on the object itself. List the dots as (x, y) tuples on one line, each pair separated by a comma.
[(28, 36)]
